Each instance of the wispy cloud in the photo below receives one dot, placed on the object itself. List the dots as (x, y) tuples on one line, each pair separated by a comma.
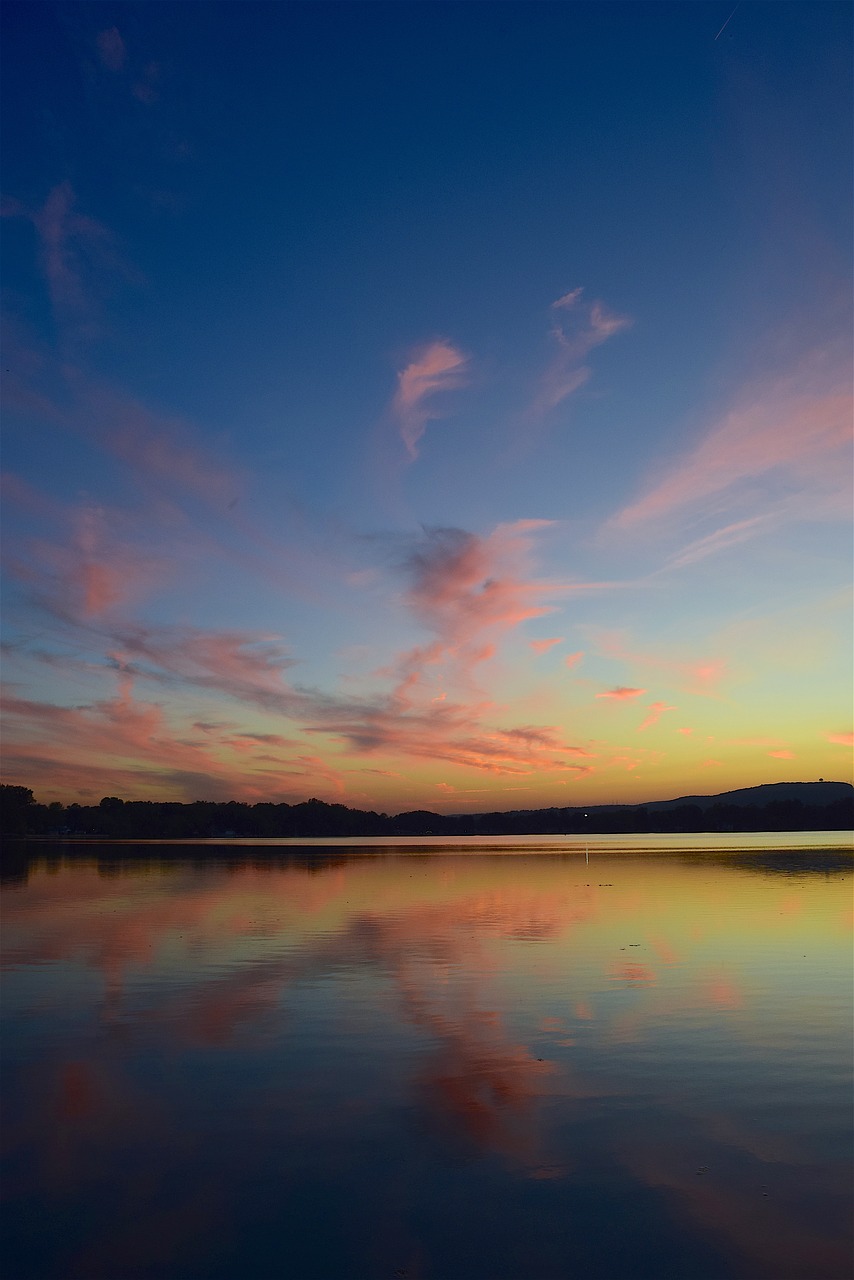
[(698, 676), (730, 535), (573, 659), (80, 261), (798, 426), (576, 329), (433, 368), (543, 646), (656, 711), (117, 744), (622, 693), (111, 49), (842, 739), (90, 567)]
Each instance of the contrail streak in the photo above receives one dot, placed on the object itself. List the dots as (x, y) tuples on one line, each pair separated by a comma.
[(720, 33)]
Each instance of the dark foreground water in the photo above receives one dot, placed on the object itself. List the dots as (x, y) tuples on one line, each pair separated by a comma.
[(424, 1061)]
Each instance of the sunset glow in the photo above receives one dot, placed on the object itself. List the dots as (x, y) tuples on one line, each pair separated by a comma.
[(464, 425)]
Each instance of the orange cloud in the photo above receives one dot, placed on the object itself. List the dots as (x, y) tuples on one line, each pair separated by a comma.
[(656, 711), (843, 739), (782, 755), (697, 677), (543, 646), (436, 367), (622, 692)]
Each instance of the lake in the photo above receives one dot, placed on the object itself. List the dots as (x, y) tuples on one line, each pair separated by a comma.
[(494, 1059)]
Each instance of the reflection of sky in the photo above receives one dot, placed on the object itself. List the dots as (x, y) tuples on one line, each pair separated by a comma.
[(421, 406), (640, 1035)]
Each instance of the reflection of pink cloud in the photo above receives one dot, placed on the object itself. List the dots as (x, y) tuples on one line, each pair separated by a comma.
[(433, 368), (543, 646), (78, 1091), (724, 992), (621, 693), (843, 739), (632, 973), (656, 711)]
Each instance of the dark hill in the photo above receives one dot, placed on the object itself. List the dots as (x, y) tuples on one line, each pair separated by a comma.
[(818, 794), (776, 806)]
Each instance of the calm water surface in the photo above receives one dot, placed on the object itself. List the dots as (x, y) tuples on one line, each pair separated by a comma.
[(423, 1060)]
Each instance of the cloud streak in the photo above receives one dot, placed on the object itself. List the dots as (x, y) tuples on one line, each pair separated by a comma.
[(577, 328), (656, 711), (436, 367), (797, 427)]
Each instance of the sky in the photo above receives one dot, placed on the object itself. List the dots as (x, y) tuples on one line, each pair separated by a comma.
[(426, 406)]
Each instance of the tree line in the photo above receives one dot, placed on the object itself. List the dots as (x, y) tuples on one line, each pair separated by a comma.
[(117, 819)]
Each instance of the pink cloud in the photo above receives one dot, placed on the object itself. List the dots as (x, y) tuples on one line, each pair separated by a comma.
[(79, 261), (632, 973), (698, 677), (117, 744), (577, 330), (706, 764), (801, 425), (782, 755), (157, 447), (656, 711), (843, 739), (436, 367), (92, 569), (111, 49), (463, 584), (573, 659), (247, 666), (543, 646), (621, 693), (685, 730)]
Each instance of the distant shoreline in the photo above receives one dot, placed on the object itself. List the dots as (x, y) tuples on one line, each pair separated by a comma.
[(772, 807)]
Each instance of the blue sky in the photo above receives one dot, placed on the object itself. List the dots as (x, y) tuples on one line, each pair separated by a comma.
[(353, 352)]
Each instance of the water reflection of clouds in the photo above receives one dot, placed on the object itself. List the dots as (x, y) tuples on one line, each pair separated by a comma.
[(499, 1050), (716, 1170)]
